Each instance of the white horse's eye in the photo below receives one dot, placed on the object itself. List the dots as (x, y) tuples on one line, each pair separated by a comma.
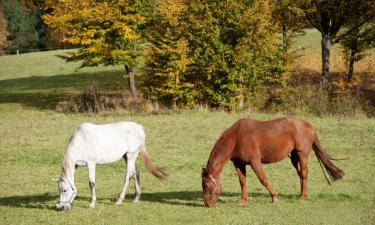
[(64, 190)]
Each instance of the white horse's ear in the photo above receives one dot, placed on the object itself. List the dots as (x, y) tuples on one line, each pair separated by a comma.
[(55, 179)]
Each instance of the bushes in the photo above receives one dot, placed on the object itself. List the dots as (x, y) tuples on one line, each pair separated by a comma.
[(95, 101), (295, 99), (307, 96), (210, 53)]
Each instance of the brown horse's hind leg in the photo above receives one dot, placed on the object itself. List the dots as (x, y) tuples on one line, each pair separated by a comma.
[(294, 159), (303, 175), (241, 171), (257, 167)]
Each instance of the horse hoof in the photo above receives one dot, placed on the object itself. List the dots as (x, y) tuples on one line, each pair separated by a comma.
[(118, 203), (242, 202), (136, 200), (65, 208), (92, 205), (275, 200)]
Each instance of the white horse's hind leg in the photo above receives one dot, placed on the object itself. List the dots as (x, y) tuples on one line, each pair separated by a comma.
[(130, 172), (137, 186), (91, 169)]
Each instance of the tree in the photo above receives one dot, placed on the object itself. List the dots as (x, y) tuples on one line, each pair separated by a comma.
[(290, 16), (329, 16), (212, 52), (106, 32), (3, 32), (21, 25), (358, 36)]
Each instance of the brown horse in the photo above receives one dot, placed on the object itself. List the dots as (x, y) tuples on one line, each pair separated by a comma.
[(252, 142)]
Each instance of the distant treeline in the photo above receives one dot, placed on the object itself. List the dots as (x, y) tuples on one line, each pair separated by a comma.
[(191, 52)]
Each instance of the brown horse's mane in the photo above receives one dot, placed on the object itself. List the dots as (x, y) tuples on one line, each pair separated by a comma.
[(224, 136)]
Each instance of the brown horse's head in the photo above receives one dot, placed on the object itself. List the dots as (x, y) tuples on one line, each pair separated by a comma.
[(211, 189)]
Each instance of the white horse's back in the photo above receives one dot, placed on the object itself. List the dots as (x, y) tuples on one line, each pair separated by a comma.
[(105, 143)]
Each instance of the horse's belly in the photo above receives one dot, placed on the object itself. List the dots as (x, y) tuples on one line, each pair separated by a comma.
[(275, 155), (110, 155), (102, 153)]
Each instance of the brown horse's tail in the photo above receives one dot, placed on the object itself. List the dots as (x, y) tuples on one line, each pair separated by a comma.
[(155, 170), (325, 160)]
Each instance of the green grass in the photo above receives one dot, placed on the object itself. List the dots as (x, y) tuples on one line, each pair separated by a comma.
[(42, 64), (33, 138), (33, 143), (42, 79)]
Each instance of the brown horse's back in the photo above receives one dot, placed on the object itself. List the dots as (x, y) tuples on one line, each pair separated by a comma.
[(271, 141)]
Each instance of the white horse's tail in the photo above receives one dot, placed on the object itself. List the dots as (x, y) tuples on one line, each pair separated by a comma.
[(155, 170)]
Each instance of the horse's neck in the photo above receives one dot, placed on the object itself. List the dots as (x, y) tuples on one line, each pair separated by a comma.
[(219, 156), (68, 166)]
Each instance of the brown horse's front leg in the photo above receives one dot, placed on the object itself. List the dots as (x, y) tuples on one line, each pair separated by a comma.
[(257, 167), (241, 171)]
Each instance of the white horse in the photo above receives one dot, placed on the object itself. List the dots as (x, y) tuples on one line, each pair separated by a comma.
[(93, 144)]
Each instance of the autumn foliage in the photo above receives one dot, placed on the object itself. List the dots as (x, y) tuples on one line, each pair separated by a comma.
[(213, 52), (104, 31)]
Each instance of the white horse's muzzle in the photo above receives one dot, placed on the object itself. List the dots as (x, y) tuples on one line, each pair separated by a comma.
[(63, 206)]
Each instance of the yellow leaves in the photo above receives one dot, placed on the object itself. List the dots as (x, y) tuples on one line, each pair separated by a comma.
[(343, 86), (171, 10), (104, 30)]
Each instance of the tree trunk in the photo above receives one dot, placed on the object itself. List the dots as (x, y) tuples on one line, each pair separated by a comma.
[(351, 69), (285, 38), (326, 47), (131, 73), (353, 51)]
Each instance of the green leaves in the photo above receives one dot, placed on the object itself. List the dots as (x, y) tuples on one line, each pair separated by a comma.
[(210, 52)]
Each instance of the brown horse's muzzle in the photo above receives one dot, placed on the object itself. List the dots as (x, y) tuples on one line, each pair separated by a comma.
[(212, 203), (209, 201)]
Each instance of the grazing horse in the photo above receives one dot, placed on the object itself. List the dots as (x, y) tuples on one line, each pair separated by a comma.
[(93, 144), (252, 142)]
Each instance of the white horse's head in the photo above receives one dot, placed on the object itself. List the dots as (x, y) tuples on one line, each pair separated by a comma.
[(67, 192)]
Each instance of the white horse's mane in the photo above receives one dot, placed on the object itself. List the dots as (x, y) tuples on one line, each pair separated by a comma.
[(68, 162), (68, 165)]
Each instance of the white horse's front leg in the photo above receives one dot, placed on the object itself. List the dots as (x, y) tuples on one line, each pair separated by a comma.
[(91, 169)]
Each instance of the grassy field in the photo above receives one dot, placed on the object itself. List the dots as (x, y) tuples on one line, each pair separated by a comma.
[(33, 138)]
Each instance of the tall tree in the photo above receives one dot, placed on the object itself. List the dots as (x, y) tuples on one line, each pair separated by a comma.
[(329, 16), (106, 32), (21, 25), (358, 36), (290, 16), (3, 32)]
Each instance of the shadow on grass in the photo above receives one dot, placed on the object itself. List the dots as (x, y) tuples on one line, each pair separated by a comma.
[(46, 92), (29, 201), (183, 198)]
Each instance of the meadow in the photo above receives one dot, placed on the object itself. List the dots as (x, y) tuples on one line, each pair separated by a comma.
[(33, 138)]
